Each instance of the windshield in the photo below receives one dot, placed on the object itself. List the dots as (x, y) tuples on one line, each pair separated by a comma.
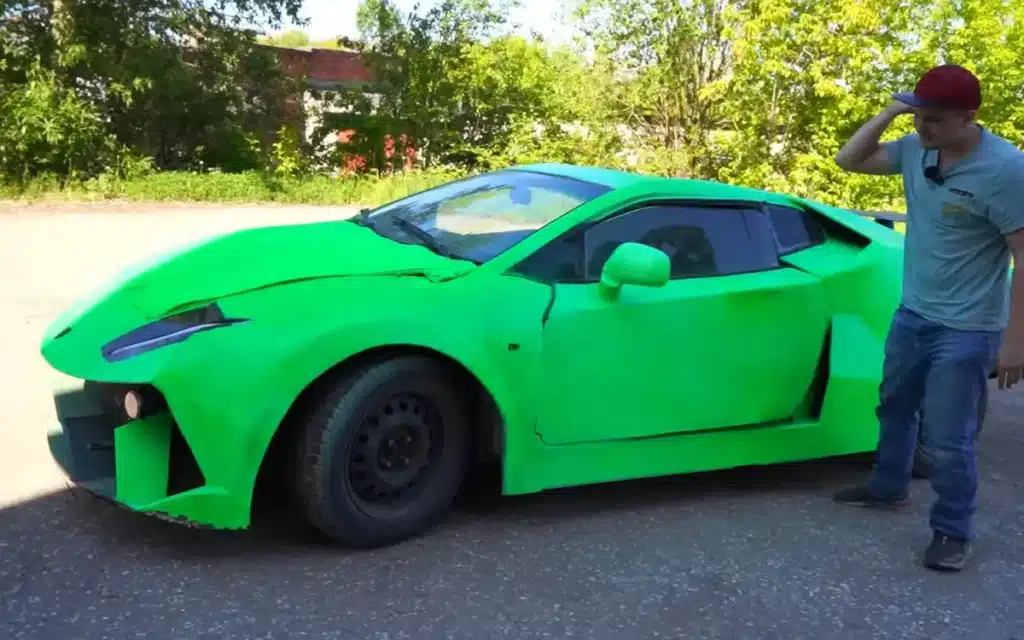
[(480, 217)]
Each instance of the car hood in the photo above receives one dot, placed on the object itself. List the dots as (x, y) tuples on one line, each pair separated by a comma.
[(256, 258)]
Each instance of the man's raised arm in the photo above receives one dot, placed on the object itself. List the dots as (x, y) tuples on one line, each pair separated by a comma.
[(863, 153)]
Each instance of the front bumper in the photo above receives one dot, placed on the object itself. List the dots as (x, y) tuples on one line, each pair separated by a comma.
[(145, 465)]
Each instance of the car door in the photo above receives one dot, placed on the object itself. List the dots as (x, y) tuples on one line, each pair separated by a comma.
[(732, 339)]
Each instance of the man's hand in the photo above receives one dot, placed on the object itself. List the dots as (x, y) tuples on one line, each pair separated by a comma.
[(1010, 369), (897, 108)]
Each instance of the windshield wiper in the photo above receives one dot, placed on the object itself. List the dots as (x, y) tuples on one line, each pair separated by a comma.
[(425, 238), (363, 221), (362, 218)]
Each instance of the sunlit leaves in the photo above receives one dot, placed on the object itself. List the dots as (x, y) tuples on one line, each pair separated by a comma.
[(175, 80)]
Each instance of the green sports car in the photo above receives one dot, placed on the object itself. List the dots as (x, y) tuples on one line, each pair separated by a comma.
[(577, 325)]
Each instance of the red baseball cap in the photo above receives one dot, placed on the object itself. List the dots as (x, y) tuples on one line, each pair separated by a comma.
[(947, 86)]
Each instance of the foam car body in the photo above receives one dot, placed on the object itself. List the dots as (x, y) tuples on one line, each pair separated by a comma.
[(574, 325)]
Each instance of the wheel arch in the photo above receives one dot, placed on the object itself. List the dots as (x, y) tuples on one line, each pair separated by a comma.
[(487, 435)]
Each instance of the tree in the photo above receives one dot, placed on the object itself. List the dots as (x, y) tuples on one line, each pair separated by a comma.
[(672, 58), (806, 74), (179, 81), (290, 38)]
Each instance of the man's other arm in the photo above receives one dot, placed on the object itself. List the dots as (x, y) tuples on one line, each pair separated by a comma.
[(1007, 213)]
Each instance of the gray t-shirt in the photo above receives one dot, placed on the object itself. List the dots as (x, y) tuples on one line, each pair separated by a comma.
[(956, 261)]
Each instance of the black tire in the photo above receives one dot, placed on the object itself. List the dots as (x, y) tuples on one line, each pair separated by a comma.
[(345, 487)]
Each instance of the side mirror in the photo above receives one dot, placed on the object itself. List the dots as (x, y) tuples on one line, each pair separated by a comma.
[(635, 263)]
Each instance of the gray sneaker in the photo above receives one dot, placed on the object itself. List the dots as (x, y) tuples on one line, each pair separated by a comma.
[(947, 553)]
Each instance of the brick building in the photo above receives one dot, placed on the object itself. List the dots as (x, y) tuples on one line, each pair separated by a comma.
[(324, 70)]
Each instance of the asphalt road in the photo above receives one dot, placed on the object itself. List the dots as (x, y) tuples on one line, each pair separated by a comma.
[(743, 554)]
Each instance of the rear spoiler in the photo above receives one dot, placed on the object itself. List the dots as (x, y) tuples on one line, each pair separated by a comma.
[(884, 218)]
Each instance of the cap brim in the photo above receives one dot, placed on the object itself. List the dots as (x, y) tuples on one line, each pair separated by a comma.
[(914, 101), (909, 99)]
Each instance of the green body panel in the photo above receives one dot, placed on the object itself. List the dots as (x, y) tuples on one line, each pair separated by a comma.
[(141, 449), (641, 365), (846, 425), (693, 375), (235, 263)]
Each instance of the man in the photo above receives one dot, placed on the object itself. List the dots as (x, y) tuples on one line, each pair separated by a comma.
[(960, 313)]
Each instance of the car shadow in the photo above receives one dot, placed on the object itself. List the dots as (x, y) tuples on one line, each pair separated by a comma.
[(742, 483), (479, 509)]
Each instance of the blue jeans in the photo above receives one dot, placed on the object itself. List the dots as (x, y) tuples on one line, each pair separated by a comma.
[(942, 372)]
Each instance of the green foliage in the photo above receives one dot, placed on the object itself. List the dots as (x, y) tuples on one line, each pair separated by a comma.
[(295, 38), (672, 58), (107, 95), (290, 159), (801, 86), (438, 84), (290, 38), (243, 187), (178, 81), (48, 130)]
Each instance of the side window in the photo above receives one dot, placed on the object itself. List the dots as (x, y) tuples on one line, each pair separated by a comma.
[(559, 261), (795, 229), (699, 240)]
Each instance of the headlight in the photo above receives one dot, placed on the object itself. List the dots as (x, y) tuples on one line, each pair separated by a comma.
[(165, 331)]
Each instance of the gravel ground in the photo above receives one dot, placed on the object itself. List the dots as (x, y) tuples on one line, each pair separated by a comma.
[(742, 554)]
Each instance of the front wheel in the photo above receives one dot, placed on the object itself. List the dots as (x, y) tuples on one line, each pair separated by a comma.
[(383, 457)]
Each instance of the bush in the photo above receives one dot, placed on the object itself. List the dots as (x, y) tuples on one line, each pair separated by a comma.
[(48, 134)]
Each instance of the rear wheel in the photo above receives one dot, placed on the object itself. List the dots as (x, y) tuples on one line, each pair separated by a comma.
[(382, 458)]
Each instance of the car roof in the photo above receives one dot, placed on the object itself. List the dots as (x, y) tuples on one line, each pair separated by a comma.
[(617, 179), (612, 178)]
